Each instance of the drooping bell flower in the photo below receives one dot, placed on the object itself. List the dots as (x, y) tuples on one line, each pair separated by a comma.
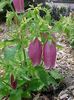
[(18, 5), (35, 52), (13, 82), (49, 55)]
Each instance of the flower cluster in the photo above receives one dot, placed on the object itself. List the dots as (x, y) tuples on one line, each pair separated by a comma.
[(47, 52)]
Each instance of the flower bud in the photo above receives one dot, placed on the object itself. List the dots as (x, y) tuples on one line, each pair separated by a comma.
[(13, 82)]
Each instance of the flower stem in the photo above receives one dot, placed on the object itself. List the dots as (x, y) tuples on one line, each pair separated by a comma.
[(25, 63)]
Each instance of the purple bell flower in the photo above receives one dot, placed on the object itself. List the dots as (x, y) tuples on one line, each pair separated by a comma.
[(18, 5), (35, 52), (49, 55)]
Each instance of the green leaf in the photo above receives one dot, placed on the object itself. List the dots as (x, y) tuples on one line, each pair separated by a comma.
[(1, 84), (43, 75), (52, 81), (56, 75), (9, 53), (3, 4), (3, 89), (19, 55), (15, 94), (35, 85), (7, 43), (26, 94), (10, 16)]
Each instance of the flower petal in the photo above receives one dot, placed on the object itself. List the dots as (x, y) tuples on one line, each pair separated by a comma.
[(14, 85), (49, 55), (18, 5), (35, 52)]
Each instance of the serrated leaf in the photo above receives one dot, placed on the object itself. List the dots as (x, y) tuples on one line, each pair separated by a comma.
[(3, 89), (52, 81), (35, 85), (10, 16), (1, 84), (3, 4), (56, 75), (9, 53), (7, 43), (26, 94), (15, 94), (43, 75)]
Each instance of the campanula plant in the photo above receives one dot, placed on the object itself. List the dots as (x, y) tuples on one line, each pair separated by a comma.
[(27, 58)]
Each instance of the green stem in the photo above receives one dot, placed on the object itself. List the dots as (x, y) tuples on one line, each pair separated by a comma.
[(13, 10), (23, 49), (11, 7), (25, 63)]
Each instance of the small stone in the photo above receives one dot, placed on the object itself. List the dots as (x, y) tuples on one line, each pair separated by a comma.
[(1, 71), (63, 92), (64, 96), (73, 92), (70, 98), (72, 82), (71, 88)]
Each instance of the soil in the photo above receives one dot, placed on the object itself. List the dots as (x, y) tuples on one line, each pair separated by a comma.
[(65, 60)]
